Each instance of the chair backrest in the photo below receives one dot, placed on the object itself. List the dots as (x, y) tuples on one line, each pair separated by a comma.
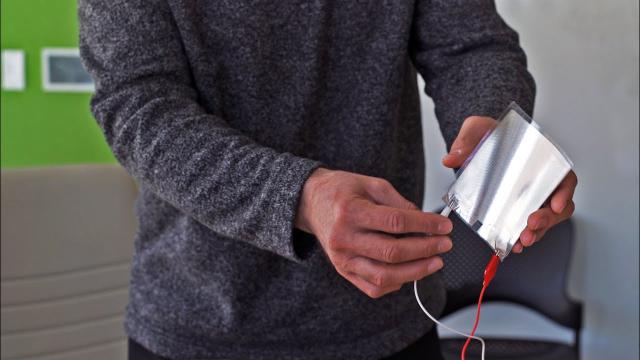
[(536, 279), (67, 239)]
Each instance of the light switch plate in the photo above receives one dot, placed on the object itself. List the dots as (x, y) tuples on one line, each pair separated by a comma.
[(62, 70), (13, 78)]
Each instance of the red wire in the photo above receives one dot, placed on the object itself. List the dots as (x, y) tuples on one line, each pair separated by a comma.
[(489, 273), (475, 325)]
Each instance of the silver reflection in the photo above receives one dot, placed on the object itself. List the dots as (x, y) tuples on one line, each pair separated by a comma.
[(509, 175)]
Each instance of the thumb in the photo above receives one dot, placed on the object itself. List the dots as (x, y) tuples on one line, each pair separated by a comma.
[(460, 151), (473, 130)]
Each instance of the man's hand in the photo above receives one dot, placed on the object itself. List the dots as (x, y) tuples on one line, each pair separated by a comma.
[(558, 207), (357, 220)]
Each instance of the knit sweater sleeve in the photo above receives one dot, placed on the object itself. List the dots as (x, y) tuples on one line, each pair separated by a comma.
[(470, 59), (147, 106)]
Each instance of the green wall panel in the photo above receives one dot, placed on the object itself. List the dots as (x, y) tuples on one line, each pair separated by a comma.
[(37, 127)]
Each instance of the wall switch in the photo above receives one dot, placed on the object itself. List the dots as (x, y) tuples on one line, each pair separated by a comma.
[(13, 70)]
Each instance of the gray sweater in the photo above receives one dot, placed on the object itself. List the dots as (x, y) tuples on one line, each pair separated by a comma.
[(221, 109)]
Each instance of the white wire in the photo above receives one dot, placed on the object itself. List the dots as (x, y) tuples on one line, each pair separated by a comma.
[(445, 212), (415, 290)]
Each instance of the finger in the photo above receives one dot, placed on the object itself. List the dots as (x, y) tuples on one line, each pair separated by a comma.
[(564, 193), (528, 237), (456, 157), (383, 193), (517, 247), (388, 275), (541, 219), (471, 133), (368, 288), (390, 220), (544, 218), (567, 212), (391, 250)]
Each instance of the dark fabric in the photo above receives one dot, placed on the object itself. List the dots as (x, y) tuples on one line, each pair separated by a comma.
[(425, 348), (139, 352), (221, 110)]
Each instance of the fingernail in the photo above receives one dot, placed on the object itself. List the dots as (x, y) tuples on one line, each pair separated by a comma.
[(562, 207), (526, 238), (445, 227), (435, 265), (558, 208), (453, 152), (532, 239), (445, 245)]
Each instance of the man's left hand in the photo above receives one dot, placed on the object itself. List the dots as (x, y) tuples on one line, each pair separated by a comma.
[(557, 208)]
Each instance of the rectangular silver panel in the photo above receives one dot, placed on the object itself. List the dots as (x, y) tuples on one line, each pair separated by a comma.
[(509, 175)]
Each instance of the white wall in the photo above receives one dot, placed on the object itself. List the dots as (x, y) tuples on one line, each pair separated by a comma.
[(584, 56)]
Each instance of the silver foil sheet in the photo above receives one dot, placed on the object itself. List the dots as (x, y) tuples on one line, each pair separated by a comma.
[(509, 175)]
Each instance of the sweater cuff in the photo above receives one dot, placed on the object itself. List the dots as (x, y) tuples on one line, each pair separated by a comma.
[(280, 235)]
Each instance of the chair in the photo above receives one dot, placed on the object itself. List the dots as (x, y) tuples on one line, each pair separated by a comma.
[(535, 279), (67, 240)]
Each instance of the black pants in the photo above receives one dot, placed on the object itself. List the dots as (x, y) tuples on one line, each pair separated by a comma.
[(426, 348)]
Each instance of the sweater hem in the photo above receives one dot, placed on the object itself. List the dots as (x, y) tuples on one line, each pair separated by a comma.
[(377, 346)]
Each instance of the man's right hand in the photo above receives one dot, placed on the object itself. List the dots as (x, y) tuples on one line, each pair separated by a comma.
[(357, 220)]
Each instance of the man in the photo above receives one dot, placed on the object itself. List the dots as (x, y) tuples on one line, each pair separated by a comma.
[(279, 153)]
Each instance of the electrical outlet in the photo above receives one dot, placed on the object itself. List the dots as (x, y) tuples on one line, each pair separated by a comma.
[(13, 70)]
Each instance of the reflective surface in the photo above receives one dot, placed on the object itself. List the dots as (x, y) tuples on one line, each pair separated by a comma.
[(509, 175)]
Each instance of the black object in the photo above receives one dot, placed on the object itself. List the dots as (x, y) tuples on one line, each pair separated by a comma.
[(425, 348), (536, 279), (139, 352)]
